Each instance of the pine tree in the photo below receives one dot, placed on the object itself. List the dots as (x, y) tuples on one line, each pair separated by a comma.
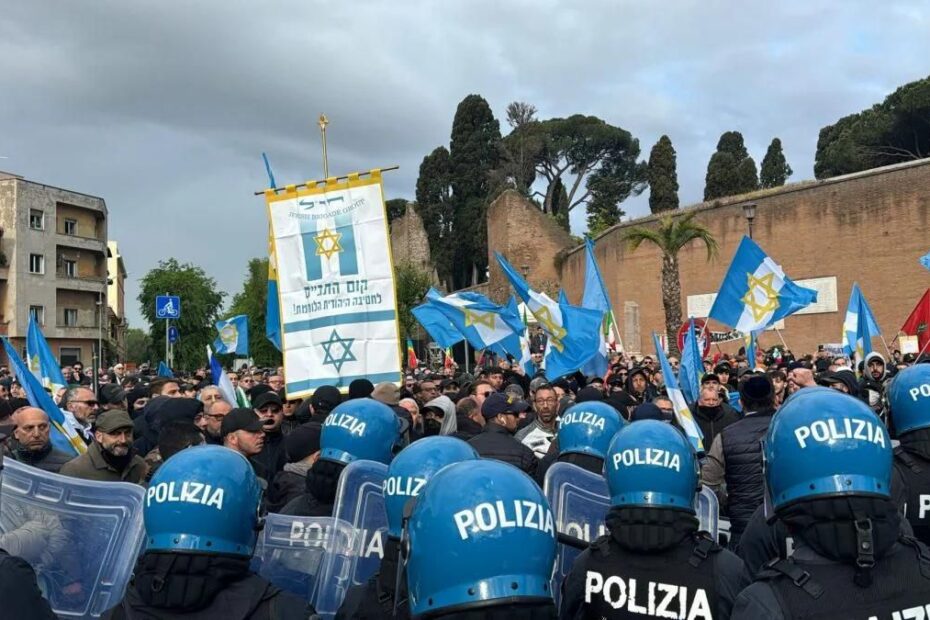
[(730, 170), (475, 152), (663, 177), (775, 168)]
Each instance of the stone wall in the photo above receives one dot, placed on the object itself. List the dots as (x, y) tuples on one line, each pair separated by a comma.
[(409, 242), (528, 238), (869, 227)]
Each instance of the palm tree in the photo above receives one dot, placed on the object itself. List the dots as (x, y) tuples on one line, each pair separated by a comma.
[(672, 234)]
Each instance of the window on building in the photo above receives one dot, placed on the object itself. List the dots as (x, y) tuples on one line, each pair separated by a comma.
[(71, 317), (68, 356), (71, 268), (70, 227), (38, 314), (36, 219), (36, 263)]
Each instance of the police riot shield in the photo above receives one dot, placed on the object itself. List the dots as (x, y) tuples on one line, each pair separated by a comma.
[(81, 537), (360, 504), (291, 551), (708, 511), (579, 501)]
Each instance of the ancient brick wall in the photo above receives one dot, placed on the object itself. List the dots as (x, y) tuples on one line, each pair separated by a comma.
[(409, 242)]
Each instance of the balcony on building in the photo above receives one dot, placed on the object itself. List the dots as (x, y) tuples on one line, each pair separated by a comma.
[(81, 270), (78, 315), (82, 227)]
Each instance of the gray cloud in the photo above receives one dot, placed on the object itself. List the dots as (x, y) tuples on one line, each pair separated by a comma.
[(164, 108)]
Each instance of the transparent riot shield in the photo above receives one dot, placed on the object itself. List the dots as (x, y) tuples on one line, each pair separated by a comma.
[(81, 537), (708, 511), (579, 502), (360, 504), (291, 551)]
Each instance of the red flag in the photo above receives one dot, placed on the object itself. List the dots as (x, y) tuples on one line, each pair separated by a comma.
[(918, 323), (447, 364), (412, 361)]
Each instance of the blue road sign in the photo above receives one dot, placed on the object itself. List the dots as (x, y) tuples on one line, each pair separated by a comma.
[(167, 307), (173, 334)]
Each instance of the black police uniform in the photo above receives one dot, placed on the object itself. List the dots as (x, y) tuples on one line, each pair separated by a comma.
[(639, 576), (168, 586), (378, 597), (496, 442), (912, 463), (19, 592)]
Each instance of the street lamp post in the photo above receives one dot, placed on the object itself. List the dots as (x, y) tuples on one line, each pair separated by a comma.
[(749, 212)]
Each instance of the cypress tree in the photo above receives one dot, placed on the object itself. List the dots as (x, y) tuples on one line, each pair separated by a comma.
[(775, 168), (730, 170), (663, 177)]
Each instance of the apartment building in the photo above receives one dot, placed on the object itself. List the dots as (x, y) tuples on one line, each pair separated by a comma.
[(54, 254)]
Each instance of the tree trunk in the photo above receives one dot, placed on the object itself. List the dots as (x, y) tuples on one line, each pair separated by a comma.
[(671, 301)]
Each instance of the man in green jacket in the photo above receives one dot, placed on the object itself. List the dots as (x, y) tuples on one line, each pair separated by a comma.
[(110, 458)]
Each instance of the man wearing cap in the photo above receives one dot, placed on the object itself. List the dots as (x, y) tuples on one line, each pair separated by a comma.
[(733, 467), (496, 441), (110, 458), (243, 431), (302, 450), (112, 396), (270, 410), (450, 387)]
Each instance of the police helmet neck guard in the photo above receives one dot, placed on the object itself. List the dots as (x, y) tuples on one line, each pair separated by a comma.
[(909, 399), (651, 464), (204, 499), (412, 468), (358, 429), (587, 428), (823, 443), (497, 536)]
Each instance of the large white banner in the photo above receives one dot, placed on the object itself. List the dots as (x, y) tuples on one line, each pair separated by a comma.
[(335, 284)]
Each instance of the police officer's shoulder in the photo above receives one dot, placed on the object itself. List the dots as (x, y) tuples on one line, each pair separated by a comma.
[(757, 602), (19, 590), (287, 606)]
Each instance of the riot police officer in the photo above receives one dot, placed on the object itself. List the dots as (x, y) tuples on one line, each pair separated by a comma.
[(828, 476), (202, 521), (585, 432), (653, 561), (909, 402), (385, 594), (361, 428), (482, 544)]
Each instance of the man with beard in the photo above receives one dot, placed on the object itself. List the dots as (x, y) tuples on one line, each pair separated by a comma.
[(639, 387), (31, 443), (110, 458), (496, 441), (212, 421), (539, 433), (81, 405), (872, 386)]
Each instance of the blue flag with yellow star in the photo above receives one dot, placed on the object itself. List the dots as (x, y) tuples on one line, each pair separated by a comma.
[(485, 324), (42, 362), (756, 292), (232, 335), (437, 325)]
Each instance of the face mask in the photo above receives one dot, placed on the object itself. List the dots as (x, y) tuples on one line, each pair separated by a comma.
[(431, 427)]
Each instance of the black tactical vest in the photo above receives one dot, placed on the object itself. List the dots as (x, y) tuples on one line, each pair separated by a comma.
[(900, 582), (679, 582), (742, 451), (916, 473)]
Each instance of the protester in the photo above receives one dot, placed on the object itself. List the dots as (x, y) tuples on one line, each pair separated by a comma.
[(711, 413), (243, 432), (496, 440), (173, 437), (302, 450), (468, 418), (539, 433), (82, 406), (31, 441), (270, 410), (438, 417), (111, 457)]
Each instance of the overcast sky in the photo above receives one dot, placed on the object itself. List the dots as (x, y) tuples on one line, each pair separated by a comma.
[(163, 108)]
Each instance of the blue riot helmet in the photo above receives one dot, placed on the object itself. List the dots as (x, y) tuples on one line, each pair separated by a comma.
[(203, 499), (480, 533), (361, 428), (909, 399), (588, 427), (413, 467), (651, 464), (823, 443)]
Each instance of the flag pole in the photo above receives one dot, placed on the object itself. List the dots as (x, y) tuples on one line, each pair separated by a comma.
[(323, 122), (887, 350), (921, 352), (780, 337)]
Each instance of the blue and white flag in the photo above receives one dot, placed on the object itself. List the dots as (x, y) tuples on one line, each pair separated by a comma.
[(485, 324), (164, 370), (63, 435), (574, 333), (233, 335), (925, 260), (42, 362), (221, 380), (335, 281), (595, 298), (437, 325), (859, 325), (750, 342), (692, 366), (682, 412), (756, 292)]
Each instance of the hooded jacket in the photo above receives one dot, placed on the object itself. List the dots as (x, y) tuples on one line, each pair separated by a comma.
[(444, 404)]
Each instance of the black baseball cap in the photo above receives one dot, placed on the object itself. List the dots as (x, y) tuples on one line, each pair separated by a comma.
[(325, 398), (267, 398), (498, 403), (240, 419)]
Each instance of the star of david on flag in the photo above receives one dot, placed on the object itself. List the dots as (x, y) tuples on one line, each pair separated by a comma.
[(756, 292), (338, 350), (485, 324), (232, 335)]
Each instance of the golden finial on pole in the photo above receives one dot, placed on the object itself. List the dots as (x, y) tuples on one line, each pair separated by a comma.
[(323, 122)]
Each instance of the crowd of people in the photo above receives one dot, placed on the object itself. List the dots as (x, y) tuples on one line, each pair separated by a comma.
[(798, 451)]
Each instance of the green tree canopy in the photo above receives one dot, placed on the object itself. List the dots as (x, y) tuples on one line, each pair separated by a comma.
[(200, 305), (474, 152), (896, 130), (731, 170), (775, 169), (396, 207), (138, 346), (435, 207), (663, 177), (251, 301), (412, 285)]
